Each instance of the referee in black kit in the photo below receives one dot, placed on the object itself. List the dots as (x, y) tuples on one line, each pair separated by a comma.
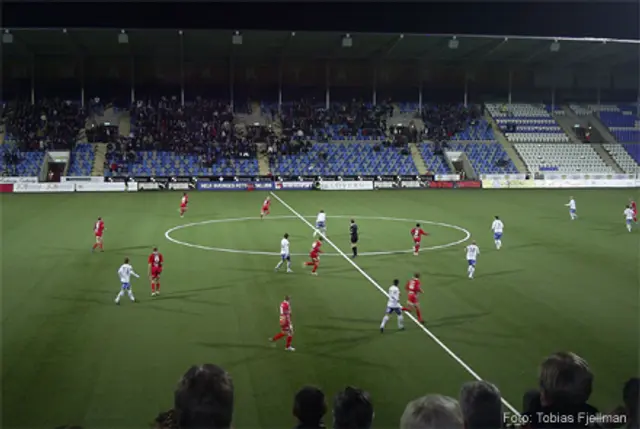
[(353, 232)]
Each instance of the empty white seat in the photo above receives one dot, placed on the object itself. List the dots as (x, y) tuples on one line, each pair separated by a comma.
[(622, 158), (564, 158)]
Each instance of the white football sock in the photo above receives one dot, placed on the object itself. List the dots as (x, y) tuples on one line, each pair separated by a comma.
[(385, 319)]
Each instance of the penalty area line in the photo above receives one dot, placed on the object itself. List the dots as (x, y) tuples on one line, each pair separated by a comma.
[(384, 292)]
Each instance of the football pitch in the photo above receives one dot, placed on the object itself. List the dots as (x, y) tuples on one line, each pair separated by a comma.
[(71, 356)]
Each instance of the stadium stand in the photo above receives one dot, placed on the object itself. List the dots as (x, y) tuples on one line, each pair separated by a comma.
[(562, 158), (14, 162), (486, 158), (353, 158), (623, 122), (81, 160), (527, 123), (622, 157)]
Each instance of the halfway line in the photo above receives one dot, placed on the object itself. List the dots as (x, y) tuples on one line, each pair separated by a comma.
[(384, 292)]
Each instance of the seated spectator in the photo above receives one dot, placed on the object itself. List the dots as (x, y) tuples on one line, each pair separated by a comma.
[(203, 399), (352, 409), (565, 383), (309, 407), (481, 405), (443, 121), (432, 412), (46, 124)]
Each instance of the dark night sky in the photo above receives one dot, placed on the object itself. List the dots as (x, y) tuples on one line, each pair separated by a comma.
[(573, 19)]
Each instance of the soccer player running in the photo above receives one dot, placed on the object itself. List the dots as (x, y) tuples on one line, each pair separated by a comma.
[(98, 230), (183, 204), (416, 234), (321, 225), (284, 254), (572, 208), (472, 255), (266, 205), (414, 288), (393, 306), (629, 215), (125, 272), (315, 256), (497, 227), (353, 232), (286, 327), (156, 260), (634, 207)]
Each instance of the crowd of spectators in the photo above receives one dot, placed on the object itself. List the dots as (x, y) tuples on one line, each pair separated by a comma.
[(202, 127), (308, 118), (46, 124), (443, 121), (204, 398)]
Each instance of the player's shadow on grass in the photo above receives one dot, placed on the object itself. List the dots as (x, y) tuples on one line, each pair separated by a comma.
[(459, 319), (499, 273), (120, 250)]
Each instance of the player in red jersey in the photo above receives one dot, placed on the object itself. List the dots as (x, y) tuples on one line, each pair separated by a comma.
[(183, 204), (413, 290), (315, 256), (634, 207), (416, 234), (156, 261), (98, 230), (265, 207), (286, 327)]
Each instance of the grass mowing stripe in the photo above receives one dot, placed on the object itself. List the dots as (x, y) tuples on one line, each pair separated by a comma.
[(374, 283)]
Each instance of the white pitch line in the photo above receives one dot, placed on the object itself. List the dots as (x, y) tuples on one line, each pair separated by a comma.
[(384, 292), (168, 236)]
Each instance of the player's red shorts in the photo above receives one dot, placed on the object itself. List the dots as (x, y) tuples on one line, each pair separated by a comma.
[(416, 240), (183, 206), (155, 272), (413, 298), (285, 324), (265, 209), (314, 257), (98, 236)]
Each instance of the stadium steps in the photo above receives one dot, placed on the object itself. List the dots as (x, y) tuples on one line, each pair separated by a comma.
[(263, 163), (602, 129), (82, 136), (417, 159), (506, 144), (98, 160), (606, 157), (566, 123), (124, 127)]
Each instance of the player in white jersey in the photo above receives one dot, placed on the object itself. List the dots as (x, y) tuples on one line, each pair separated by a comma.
[(125, 272), (572, 208), (497, 227), (321, 224), (472, 255), (284, 254), (393, 306), (628, 214)]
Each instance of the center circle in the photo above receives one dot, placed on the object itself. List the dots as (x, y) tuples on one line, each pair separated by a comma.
[(168, 236)]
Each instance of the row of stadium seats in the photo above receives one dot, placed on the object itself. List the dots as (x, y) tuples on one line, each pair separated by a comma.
[(151, 163), (14, 162), (533, 123), (622, 157), (81, 160), (346, 159), (562, 158)]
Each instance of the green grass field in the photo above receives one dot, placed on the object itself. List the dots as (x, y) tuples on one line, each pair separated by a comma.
[(69, 355)]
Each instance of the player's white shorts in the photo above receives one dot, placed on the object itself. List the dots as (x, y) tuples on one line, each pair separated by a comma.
[(126, 286), (285, 256), (497, 235), (472, 262), (320, 225), (397, 310)]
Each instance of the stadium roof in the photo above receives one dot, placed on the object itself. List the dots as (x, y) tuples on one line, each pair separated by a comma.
[(525, 51)]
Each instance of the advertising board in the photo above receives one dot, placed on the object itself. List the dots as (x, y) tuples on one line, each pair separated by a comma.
[(20, 188), (94, 179), (290, 186), (18, 179), (100, 187), (235, 186), (346, 186)]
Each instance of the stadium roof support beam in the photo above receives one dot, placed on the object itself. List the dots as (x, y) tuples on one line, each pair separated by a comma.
[(389, 47), (583, 54)]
